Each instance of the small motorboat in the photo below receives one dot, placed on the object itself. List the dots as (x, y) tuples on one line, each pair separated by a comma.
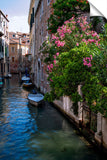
[(25, 78), (27, 84), (35, 99)]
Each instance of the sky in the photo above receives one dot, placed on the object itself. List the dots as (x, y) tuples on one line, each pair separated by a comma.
[(17, 11)]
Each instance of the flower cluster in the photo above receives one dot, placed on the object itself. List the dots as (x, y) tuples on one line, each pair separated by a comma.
[(71, 28), (50, 67), (87, 61), (60, 43)]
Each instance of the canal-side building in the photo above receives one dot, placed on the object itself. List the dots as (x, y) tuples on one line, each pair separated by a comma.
[(32, 35), (19, 51), (38, 33), (4, 45)]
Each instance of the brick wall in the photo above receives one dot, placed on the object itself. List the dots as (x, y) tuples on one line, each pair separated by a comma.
[(41, 17)]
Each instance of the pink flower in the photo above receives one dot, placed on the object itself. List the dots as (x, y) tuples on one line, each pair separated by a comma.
[(88, 58), (77, 44), (85, 23), (96, 43), (91, 40), (51, 65), (87, 63), (84, 40), (57, 53), (94, 34), (71, 18), (49, 68), (73, 27), (60, 43), (66, 22), (73, 22), (51, 80), (54, 61), (54, 57), (87, 33), (69, 31), (56, 42), (84, 28), (62, 35), (54, 37)]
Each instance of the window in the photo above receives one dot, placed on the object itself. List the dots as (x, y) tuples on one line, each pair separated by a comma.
[(12, 59), (4, 23), (1, 67), (13, 35), (12, 49), (8, 68), (48, 2)]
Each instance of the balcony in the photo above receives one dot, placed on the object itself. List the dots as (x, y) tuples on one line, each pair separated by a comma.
[(1, 31)]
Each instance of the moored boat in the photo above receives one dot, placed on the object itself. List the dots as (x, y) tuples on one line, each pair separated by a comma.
[(27, 84), (35, 99), (25, 78)]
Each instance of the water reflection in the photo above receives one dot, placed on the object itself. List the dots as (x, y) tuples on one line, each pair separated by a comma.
[(31, 133), (59, 145)]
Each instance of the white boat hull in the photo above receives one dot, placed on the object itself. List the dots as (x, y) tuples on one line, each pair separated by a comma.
[(34, 103), (35, 99), (24, 78)]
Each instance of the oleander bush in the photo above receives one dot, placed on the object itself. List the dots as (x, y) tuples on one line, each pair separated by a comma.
[(77, 55)]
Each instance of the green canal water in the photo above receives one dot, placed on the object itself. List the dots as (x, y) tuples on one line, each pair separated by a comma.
[(31, 133)]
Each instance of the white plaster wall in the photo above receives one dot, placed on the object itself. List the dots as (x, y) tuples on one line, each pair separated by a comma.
[(99, 122), (101, 128), (104, 131), (67, 106), (80, 104)]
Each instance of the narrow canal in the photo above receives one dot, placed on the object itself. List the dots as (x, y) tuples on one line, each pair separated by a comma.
[(31, 133)]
